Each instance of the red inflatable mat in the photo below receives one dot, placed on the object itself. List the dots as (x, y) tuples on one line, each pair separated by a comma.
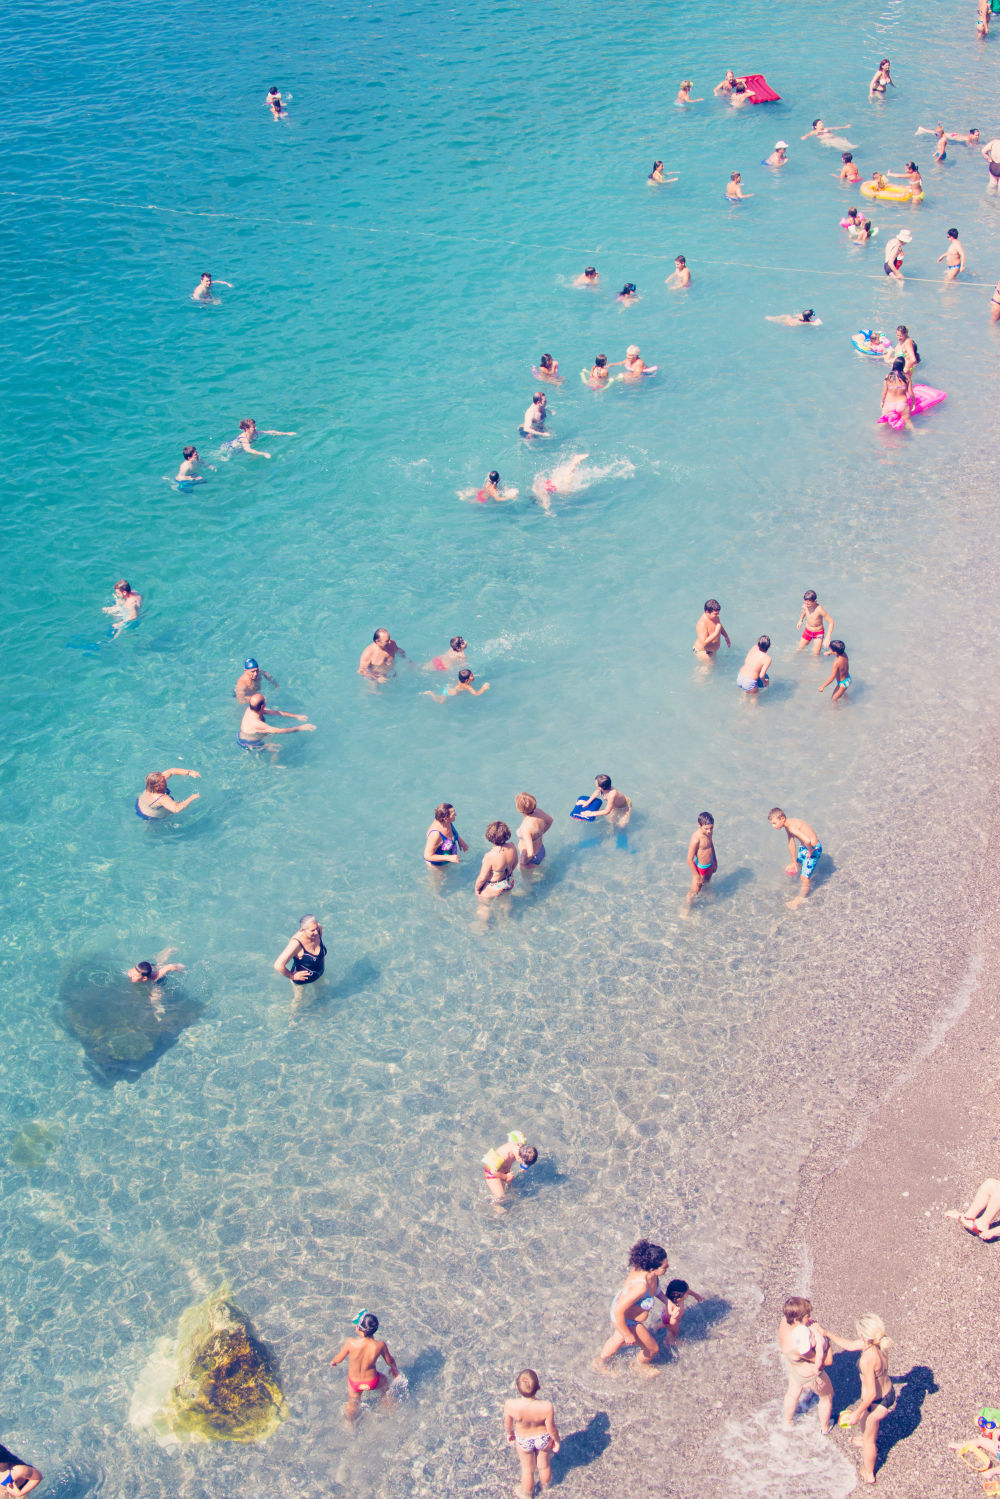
[(759, 89)]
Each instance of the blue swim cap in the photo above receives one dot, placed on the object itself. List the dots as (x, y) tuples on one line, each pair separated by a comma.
[(250, 664)]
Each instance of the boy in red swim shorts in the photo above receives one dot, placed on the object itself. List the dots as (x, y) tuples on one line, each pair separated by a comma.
[(818, 624), (363, 1353)]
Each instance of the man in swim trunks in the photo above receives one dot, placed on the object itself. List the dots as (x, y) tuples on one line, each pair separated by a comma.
[(203, 291), (727, 85), (151, 972), (709, 632), (249, 683), (501, 1166), (954, 257), (363, 1353), (126, 605), (535, 825), (752, 676), (804, 848), (378, 659), (496, 873), (893, 265), (617, 805), (252, 729), (530, 1424), (734, 189), (17, 1476), (535, 417), (818, 624), (991, 154), (589, 277), (188, 471), (701, 855), (680, 276)]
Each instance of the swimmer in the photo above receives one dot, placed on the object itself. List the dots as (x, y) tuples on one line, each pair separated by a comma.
[(849, 171), (272, 97), (709, 632), (823, 132), (954, 257), (188, 471), (278, 110), (548, 369), (701, 855), (752, 676), (818, 624), (203, 291), (363, 1353), (490, 489), (991, 153), (530, 1424), (677, 1294), (841, 673), (862, 232), (617, 806), (561, 480), (853, 217), (453, 656), (253, 729), (795, 319), (496, 873), (587, 277), (442, 843), (656, 175), (882, 79), (906, 348), (306, 952), (534, 419), (680, 276), (968, 137), (599, 372), (628, 294), (631, 1308), (17, 1476), (778, 156), (727, 85), (633, 363), (684, 94), (152, 972), (248, 432), (378, 659), (893, 263), (464, 684), (126, 606), (911, 176), (534, 826), (155, 803), (734, 189), (503, 1165), (740, 95), (804, 848), (249, 682), (897, 393)]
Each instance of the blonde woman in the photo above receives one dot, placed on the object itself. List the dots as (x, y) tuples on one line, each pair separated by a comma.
[(877, 1393)]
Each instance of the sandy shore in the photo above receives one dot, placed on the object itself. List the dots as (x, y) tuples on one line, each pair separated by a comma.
[(869, 1217)]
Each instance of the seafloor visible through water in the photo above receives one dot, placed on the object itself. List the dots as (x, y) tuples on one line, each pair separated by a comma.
[(402, 249)]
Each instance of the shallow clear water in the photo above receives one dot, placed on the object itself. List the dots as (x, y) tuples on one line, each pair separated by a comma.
[(402, 249)]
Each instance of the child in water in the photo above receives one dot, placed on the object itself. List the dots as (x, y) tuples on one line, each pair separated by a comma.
[(363, 1353), (464, 684), (701, 855), (841, 673), (678, 1292), (530, 1424)]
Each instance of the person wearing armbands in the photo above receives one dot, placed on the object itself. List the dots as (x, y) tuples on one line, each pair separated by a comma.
[(501, 1166)]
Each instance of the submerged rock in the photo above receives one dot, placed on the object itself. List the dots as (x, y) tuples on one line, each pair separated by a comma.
[(32, 1145), (218, 1382), (122, 1031)]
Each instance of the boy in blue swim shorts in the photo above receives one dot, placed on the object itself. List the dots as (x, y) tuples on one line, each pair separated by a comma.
[(804, 848)]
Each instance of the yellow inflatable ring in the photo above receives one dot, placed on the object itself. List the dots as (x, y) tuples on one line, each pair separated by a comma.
[(889, 193)]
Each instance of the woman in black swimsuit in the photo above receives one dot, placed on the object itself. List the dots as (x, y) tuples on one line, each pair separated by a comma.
[(305, 952), (877, 1393)]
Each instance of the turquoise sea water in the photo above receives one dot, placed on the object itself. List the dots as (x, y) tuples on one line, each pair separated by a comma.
[(402, 249)]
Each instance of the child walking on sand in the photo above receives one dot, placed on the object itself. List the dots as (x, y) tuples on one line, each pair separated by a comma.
[(817, 622), (701, 855), (841, 673), (530, 1424), (363, 1353)]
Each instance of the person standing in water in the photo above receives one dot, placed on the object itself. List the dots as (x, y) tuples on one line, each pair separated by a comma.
[(841, 672), (878, 1395), (734, 189), (530, 1424), (804, 848), (533, 423), (617, 806), (363, 1353), (680, 276), (502, 1166), (818, 624), (443, 840), (203, 291), (684, 94), (954, 257), (778, 156), (710, 632), (804, 1346), (378, 660), (534, 826), (701, 855), (496, 873), (753, 674), (126, 606), (15, 1474), (155, 803), (882, 80), (190, 464), (253, 728), (248, 685), (303, 959), (631, 1308)]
